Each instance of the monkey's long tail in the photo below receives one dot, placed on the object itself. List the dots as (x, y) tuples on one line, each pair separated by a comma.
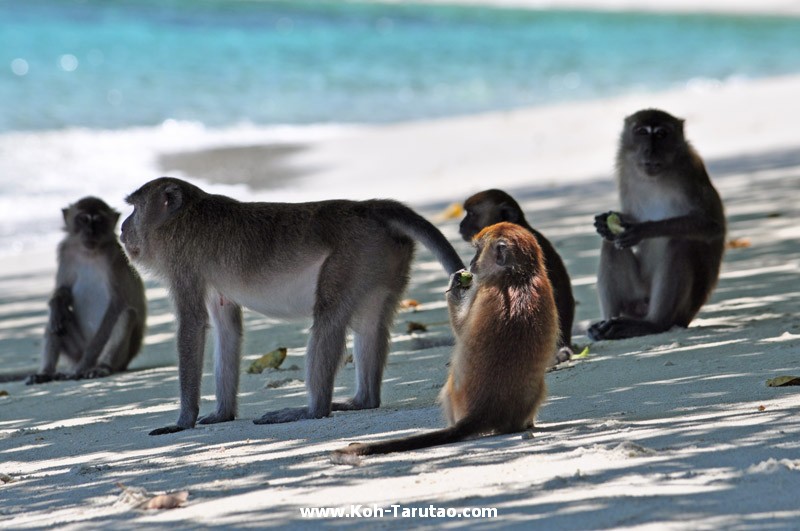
[(405, 220), (455, 433)]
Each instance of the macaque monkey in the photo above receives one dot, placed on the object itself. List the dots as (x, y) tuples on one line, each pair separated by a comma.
[(660, 256), (344, 263), (98, 309), (506, 326), (493, 206)]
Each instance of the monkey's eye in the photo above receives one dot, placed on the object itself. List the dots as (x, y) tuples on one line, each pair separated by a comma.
[(83, 218), (661, 132), (641, 130)]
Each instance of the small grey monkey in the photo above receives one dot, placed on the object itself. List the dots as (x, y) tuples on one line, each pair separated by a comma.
[(98, 309), (345, 263), (659, 267)]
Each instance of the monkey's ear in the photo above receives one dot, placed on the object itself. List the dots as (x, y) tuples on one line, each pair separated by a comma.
[(114, 218), (173, 197), (501, 254), (508, 213), (65, 214)]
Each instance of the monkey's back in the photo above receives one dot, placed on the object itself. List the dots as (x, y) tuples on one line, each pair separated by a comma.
[(500, 365)]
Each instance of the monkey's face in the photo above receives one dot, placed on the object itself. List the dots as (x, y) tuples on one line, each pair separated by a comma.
[(153, 205), (652, 140), (487, 208), (92, 221), (471, 224)]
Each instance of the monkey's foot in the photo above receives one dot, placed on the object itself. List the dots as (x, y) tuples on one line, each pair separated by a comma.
[(167, 429), (563, 354), (622, 328), (289, 414), (39, 378), (214, 418), (353, 405), (101, 371)]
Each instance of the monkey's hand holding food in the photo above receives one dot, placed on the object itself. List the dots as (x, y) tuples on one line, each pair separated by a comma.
[(609, 225), (460, 280)]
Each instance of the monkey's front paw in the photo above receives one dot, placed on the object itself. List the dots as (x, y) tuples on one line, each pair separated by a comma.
[(601, 226), (167, 429), (39, 378), (289, 414), (630, 237), (215, 418), (460, 280)]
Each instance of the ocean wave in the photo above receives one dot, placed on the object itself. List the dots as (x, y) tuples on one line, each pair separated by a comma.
[(41, 172)]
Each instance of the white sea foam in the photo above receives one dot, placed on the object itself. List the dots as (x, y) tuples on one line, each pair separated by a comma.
[(42, 172)]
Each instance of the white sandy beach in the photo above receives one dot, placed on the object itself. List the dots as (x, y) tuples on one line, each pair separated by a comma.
[(672, 431)]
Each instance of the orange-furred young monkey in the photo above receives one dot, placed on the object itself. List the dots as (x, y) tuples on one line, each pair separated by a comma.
[(506, 327)]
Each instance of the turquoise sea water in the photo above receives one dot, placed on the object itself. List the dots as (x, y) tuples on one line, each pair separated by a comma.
[(93, 92), (117, 64)]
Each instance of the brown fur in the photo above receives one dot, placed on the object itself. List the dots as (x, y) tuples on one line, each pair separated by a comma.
[(662, 268), (506, 328)]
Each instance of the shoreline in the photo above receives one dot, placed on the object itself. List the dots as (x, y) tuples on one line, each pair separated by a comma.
[(565, 143)]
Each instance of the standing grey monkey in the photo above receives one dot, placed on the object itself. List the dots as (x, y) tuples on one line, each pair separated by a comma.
[(345, 263), (98, 309)]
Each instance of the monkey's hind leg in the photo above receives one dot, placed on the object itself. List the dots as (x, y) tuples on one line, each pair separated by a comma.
[(620, 287), (669, 301), (370, 350), (115, 354), (333, 309), (69, 341), (326, 347)]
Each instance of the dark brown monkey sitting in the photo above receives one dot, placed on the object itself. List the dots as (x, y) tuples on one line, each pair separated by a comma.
[(506, 329), (345, 263), (660, 269), (493, 206), (98, 309)]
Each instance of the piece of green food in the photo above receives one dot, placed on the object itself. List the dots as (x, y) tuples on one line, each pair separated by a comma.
[(465, 279), (583, 354), (270, 360), (614, 223), (782, 381)]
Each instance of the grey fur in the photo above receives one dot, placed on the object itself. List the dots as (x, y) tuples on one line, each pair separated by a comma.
[(660, 270), (345, 263), (98, 309)]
